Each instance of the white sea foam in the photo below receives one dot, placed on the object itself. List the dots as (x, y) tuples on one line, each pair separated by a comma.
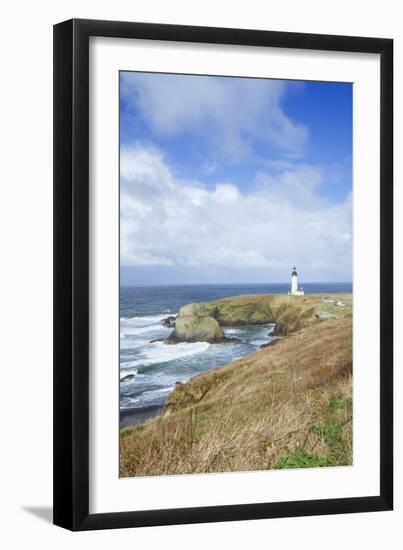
[(134, 331), (134, 326), (271, 328), (129, 368), (158, 352), (151, 395), (141, 321), (129, 343), (259, 341), (233, 331)]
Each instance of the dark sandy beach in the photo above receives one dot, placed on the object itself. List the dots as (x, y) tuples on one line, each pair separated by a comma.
[(130, 418)]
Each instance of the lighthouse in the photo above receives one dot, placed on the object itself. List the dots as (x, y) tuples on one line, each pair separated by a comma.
[(295, 291)]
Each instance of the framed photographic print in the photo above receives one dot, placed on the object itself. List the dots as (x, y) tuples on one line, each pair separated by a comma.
[(223, 320)]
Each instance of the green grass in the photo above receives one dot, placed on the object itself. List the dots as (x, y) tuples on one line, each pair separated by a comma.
[(331, 433), (337, 402), (301, 459)]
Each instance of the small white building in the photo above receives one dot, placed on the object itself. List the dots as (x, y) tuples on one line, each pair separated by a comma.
[(295, 291)]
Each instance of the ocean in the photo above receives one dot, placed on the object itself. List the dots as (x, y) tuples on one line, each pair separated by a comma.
[(155, 367)]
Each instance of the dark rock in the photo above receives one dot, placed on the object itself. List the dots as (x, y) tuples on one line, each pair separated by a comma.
[(169, 321), (127, 377)]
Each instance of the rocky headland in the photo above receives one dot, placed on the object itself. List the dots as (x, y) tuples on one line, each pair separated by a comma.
[(203, 321)]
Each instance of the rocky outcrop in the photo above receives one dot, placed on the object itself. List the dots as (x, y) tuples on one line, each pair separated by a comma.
[(169, 321), (189, 394), (195, 328), (324, 314), (292, 317), (127, 377), (236, 311), (289, 314)]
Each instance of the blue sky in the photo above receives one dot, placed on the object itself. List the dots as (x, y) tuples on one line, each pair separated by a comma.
[(234, 179)]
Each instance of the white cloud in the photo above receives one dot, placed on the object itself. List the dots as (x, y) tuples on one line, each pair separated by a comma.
[(166, 221), (231, 114), (226, 192)]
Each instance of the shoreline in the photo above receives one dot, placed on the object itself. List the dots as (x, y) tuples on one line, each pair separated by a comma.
[(138, 416), (243, 409), (129, 418)]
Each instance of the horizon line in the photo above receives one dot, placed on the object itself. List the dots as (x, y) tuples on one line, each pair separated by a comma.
[(235, 284)]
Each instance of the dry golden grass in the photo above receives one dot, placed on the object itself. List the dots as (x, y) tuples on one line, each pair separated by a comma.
[(286, 406)]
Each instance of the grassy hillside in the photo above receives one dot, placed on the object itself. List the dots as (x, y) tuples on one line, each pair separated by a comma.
[(285, 406)]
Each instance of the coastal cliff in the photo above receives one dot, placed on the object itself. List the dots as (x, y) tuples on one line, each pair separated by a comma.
[(286, 406), (288, 313)]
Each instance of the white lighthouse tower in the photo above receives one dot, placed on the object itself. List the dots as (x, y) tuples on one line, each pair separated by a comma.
[(295, 291)]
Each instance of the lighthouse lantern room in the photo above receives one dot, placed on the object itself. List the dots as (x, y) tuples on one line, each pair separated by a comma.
[(295, 291)]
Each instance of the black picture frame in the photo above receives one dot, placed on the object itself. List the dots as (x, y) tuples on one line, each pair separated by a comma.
[(71, 274)]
